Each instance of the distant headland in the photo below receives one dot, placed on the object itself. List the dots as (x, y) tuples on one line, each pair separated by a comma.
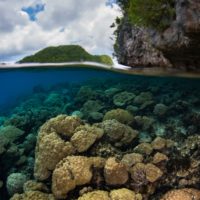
[(65, 53)]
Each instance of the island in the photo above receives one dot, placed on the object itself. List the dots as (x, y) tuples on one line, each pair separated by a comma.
[(65, 53)]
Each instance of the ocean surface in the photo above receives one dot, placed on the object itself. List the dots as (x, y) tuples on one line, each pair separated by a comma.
[(162, 113)]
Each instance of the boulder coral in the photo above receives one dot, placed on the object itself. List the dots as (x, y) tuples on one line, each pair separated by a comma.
[(15, 182), (115, 173), (72, 171), (123, 98), (118, 194), (120, 115), (118, 133), (33, 195), (182, 194), (85, 136), (51, 147)]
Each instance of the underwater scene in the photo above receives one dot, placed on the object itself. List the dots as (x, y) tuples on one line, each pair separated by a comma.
[(94, 134)]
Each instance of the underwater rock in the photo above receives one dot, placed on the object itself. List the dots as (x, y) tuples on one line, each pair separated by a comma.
[(131, 159), (123, 99), (160, 110), (15, 182), (182, 194), (33, 195), (72, 171), (51, 146), (85, 136), (115, 173), (120, 115), (118, 133)]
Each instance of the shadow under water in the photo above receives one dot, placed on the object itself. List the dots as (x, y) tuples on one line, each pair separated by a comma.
[(144, 131)]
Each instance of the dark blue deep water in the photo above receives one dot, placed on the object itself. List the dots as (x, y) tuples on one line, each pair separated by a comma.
[(162, 112)]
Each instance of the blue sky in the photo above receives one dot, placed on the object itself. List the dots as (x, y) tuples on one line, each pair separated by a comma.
[(32, 11), (29, 25)]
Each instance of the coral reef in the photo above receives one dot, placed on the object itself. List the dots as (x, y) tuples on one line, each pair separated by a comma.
[(113, 140)]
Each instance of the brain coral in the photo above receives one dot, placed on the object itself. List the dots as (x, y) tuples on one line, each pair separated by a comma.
[(120, 115), (182, 194), (51, 147), (69, 173)]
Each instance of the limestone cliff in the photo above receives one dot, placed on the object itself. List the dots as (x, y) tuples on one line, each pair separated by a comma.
[(176, 46)]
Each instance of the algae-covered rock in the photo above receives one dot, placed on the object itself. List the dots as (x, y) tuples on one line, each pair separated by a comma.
[(123, 98), (115, 173), (120, 115), (51, 147), (72, 171)]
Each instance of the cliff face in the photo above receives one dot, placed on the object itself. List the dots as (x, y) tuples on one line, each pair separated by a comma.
[(177, 46)]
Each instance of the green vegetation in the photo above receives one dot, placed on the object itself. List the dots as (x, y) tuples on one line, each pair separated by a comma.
[(156, 14), (66, 53)]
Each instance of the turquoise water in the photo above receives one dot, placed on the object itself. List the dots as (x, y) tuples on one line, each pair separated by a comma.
[(167, 107)]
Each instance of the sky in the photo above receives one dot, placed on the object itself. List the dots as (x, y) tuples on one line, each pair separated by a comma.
[(27, 26)]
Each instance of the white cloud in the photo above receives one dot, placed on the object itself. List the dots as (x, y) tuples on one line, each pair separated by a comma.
[(84, 22)]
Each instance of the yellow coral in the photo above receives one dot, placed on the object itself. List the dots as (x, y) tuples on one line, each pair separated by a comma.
[(51, 148), (122, 194), (33, 195), (182, 194), (69, 173), (85, 137), (95, 195), (120, 115)]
